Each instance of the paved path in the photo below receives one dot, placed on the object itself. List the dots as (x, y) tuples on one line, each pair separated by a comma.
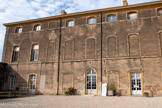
[(47, 101)]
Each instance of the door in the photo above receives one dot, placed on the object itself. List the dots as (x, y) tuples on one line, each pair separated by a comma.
[(136, 83), (91, 82), (32, 82)]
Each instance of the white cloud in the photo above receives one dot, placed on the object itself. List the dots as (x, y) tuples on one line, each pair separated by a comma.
[(42, 13), (16, 10)]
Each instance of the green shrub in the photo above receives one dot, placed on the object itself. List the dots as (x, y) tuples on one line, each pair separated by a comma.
[(70, 91), (146, 94), (111, 86)]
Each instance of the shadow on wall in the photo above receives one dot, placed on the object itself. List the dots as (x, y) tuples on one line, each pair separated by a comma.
[(12, 84), (4, 74)]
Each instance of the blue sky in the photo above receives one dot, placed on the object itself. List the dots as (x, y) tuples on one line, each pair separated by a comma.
[(17, 10)]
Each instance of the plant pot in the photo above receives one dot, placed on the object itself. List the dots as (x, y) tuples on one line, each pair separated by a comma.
[(111, 92), (145, 95)]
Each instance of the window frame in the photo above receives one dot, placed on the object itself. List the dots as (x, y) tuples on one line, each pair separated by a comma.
[(91, 77), (17, 29), (32, 77), (12, 84), (13, 50), (107, 16), (28, 81), (92, 17), (157, 11), (131, 12), (35, 26), (69, 20), (31, 54)]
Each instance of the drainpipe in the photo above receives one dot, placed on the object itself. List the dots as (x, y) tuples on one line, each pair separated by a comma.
[(59, 50), (101, 51)]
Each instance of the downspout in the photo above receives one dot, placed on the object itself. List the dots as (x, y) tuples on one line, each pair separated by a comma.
[(59, 51), (101, 51)]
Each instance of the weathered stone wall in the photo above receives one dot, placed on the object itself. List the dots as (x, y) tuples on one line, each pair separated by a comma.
[(128, 46)]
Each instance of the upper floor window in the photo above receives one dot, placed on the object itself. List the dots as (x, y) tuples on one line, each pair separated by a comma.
[(111, 18), (160, 12), (18, 30), (132, 15), (34, 54), (15, 54), (70, 23), (37, 27), (92, 21)]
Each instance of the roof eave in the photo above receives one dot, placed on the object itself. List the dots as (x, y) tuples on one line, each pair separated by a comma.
[(82, 13)]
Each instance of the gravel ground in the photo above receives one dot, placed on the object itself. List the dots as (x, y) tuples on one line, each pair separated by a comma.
[(47, 101)]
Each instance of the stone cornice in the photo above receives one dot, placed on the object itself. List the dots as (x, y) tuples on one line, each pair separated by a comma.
[(84, 13)]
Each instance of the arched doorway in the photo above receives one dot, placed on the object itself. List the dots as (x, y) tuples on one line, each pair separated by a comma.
[(32, 84), (91, 82)]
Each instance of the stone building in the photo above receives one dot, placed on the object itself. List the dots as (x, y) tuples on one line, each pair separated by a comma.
[(120, 45)]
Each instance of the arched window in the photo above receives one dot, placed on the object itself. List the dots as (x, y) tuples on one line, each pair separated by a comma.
[(92, 21), (35, 51), (91, 80), (18, 30), (70, 23), (159, 12), (15, 54), (32, 84), (111, 18), (37, 27), (132, 15)]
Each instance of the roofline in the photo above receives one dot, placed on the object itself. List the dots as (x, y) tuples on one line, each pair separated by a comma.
[(83, 13)]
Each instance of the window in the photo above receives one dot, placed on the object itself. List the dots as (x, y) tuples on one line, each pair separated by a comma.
[(34, 55), (32, 84), (70, 23), (111, 18), (159, 12), (12, 82), (18, 30), (91, 80), (15, 54), (92, 21), (132, 15), (37, 27)]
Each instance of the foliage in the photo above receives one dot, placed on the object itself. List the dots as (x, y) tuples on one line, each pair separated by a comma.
[(70, 91), (146, 94), (111, 86)]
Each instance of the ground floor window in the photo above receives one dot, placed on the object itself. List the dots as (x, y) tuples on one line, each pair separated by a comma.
[(12, 82), (32, 84), (91, 81), (136, 83)]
